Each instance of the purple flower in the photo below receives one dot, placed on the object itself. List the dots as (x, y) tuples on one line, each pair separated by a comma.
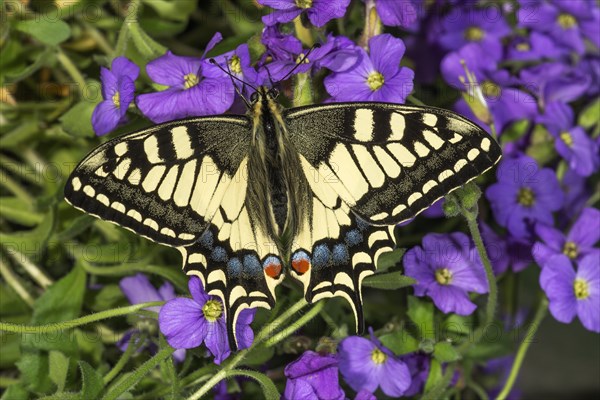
[(590, 66), (555, 82), (319, 12), (418, 365), (573, 293), (238, 62), (402, 13), (138, 289), (519, 253), (523, 195), (186, 323), (118, 89), (576, 244), (376, 76), (505, 102), (196, 87), (365, 395), (576, 191), (280, 46), (446, 270), (567, 22), (313, 376), (571, 142), (482, 27), (367, 364), (535, 46), (337, 54)]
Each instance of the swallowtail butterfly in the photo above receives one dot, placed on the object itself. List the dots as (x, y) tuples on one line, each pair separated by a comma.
[(313, 192)]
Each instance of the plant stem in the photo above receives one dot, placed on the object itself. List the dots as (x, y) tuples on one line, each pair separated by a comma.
[(279, 336), (302, 33), (523, 347), (73, 72), (131, 347), (239, 357), (138, 374), (15, 283), (60, 326), (33, 270), (490, 308)]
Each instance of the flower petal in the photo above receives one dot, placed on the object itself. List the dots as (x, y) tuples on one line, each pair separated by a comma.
[(182, 322), (216, 340), (385, 52), (395, 378), (451, 299), (105, 118), (170, 69), (356, 365), (122, 67)]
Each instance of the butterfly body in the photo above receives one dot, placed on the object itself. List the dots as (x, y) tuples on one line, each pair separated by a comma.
[(312, 192)]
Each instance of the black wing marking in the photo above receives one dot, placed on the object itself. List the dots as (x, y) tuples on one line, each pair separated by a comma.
[(335, 249), (163, 183), (389, 162)]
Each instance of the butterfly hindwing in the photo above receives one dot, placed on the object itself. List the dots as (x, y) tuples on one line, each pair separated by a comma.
[(164, 182), (335, 249), (389, 162)]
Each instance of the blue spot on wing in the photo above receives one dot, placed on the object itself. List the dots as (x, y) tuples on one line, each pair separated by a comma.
[(207, 239), (340, 254), (234, 267), (271, 260), (252, 265), (219, 254), (354, 237), (321, 256), (300, 255)]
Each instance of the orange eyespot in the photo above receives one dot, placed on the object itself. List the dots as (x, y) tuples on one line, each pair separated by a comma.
[(301, 265), (273, 270)]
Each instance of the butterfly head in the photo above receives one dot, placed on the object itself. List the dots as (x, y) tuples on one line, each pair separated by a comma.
[(264, 94)]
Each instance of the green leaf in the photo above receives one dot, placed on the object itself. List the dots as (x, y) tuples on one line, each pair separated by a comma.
[(421, 314), (34, 240), (61, 301), (108, 297), (259, 355), (590, 116), (21, 133), (444, 352), (16, 210), (93, 383), (50, 32), (435, 375), (15, 392), (78, 120), (389, 281), (390, 259), (58, 369), (173, 10), (33, 366), (44, 58), (268, 387), (400, 342)]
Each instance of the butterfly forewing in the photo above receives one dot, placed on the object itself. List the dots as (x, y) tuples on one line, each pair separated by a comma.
[(164, 183), (389, 162)]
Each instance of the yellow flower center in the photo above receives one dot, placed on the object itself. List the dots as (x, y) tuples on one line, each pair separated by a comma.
[(523, 46), (235, 65), (490, 89), (581, 289), (116, 99), (304, 3), (443, 276), (526, 197), (375, 80), (567, 138), (378, 356), (190, 80), (566, 21), (302, 59), (570, 250), (212, 310), (474, 34)]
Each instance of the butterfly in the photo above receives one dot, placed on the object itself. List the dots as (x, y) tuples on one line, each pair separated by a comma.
[(314, 191)]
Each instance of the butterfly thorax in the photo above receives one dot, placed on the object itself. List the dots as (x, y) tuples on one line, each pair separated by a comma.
[(277, 194)]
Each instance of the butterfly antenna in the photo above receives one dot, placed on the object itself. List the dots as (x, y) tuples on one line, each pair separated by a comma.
[(299, 63), (269, 74), (232, 76)]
